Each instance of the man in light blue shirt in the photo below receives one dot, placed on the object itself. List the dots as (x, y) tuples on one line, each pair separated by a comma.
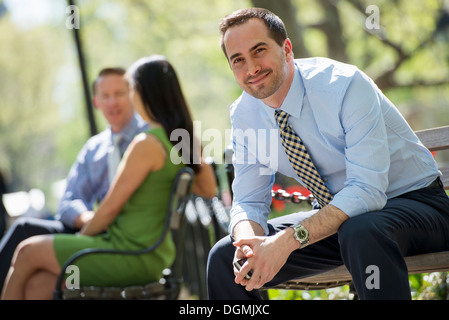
[(87, 182), (388, 200), (363, 166)]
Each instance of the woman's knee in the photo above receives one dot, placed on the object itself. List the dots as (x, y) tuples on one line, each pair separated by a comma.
[(31, 251), (22, 252)]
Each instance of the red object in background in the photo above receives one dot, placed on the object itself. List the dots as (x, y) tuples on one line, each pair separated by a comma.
[(434, 153), (279, 205), (304, 191)]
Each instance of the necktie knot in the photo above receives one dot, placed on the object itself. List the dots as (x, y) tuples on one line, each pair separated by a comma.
[(114, 156), (281, 118), (116, 138)]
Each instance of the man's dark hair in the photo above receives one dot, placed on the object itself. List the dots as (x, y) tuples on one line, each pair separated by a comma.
[(273, 22), (106, 72)]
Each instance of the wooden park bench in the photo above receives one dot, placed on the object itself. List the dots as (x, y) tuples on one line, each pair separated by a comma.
[(435, 139), (168, 287)]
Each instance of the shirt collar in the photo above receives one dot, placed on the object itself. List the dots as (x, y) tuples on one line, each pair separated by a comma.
[(129, 131), (293, 101)]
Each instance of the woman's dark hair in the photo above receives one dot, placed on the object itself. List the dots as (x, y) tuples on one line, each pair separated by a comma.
[(155, 79), (274, 24)]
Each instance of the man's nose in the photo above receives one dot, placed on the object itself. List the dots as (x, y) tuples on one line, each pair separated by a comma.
[(253, 67), (111, 100)]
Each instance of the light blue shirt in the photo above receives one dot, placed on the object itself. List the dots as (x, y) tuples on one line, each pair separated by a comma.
[(360, 144), (87, 182)]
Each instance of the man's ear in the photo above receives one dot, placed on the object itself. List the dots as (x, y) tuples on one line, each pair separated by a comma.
[(288, 49), (95, 101)]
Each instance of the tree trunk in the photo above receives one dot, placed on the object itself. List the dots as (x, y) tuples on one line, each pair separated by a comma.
[(287, 12), (336, 46)]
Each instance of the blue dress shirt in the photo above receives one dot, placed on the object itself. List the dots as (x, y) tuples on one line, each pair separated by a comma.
[(360, 144), (87, 182)]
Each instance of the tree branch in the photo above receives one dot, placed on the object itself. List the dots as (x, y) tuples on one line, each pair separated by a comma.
[(386, 79)]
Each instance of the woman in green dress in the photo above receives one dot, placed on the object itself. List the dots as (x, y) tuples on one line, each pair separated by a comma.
[(131, 216)]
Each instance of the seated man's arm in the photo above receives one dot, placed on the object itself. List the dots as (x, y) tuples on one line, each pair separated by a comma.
[(82, 193)]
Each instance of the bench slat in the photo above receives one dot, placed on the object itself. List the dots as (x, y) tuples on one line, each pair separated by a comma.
[(423, 263), (430, 262), (435, 139)]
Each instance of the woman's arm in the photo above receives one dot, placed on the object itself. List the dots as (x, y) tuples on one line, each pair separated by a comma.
[(144, 154), (205, 184)]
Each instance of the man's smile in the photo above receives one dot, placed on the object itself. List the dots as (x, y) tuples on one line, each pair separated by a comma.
[(258, 79)]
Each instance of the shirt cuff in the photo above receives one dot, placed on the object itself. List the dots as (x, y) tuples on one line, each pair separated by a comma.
[(240, 213), (71, 211), (354, 201)]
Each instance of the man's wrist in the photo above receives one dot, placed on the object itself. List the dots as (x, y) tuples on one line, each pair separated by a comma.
[(288, 239), (82, 218), (246, 228)]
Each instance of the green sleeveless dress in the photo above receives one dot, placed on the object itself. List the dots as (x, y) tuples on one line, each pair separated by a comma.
[(138, 225)]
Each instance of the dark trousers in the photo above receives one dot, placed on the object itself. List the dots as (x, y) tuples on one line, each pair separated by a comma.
[(414, 223), (22, 229)]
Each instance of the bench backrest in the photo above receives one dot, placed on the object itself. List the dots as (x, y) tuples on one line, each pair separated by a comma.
[(436, 139), (180, 196)]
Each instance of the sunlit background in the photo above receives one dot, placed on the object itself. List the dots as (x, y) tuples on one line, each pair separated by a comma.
[(43, 117)]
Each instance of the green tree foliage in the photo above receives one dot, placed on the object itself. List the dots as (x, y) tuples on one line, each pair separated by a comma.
[(43, 121), (28, 66)]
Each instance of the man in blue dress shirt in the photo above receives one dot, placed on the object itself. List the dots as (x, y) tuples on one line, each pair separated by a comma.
[(88, 179), (387, 198)]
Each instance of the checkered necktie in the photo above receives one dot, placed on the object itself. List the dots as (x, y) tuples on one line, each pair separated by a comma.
[(300, 160)]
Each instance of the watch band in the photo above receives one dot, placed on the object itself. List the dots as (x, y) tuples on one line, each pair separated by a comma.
[(301, 234)]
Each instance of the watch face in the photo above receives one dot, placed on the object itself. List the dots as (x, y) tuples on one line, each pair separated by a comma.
[(302, 234)]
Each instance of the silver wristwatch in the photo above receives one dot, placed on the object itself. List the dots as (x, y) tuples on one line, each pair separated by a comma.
[(301, 234)]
